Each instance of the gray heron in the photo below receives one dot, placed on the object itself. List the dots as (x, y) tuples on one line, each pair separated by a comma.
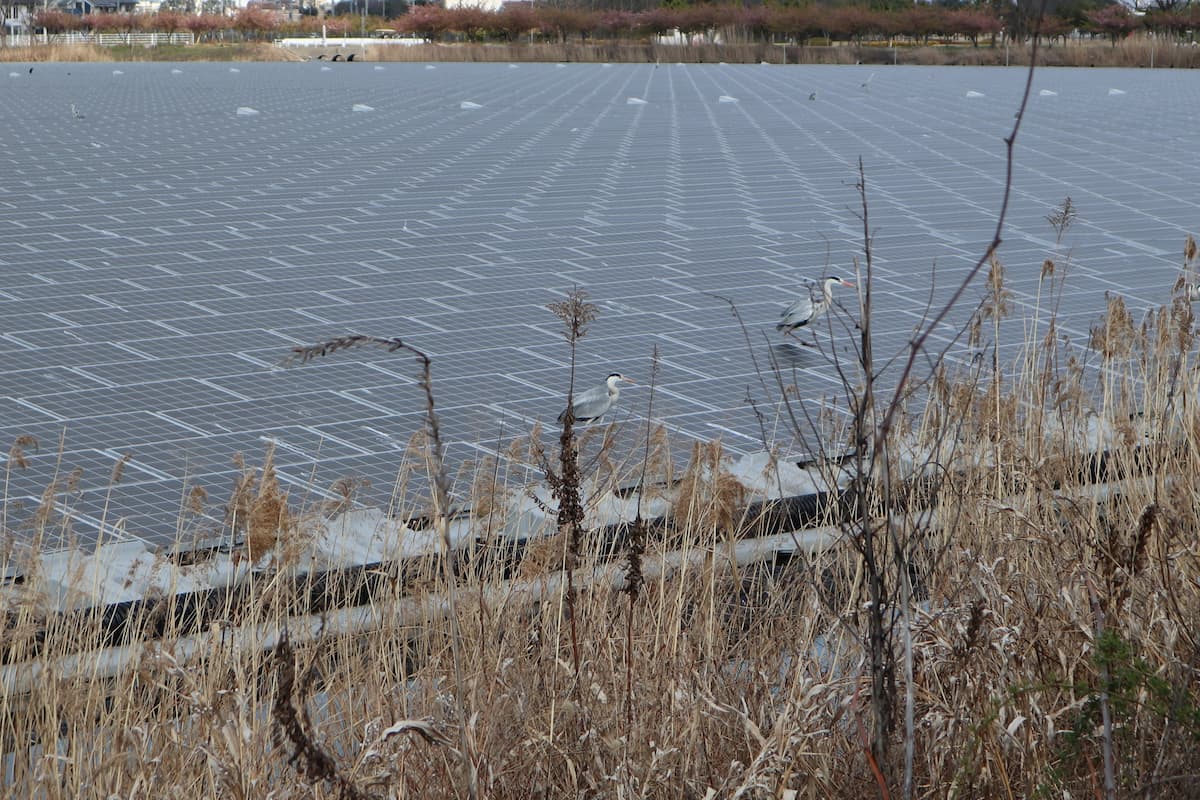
[(75, 112), (806, 309), (592, 404)]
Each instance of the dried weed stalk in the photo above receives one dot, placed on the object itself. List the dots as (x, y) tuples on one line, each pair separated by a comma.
[(566, 482), (292, 728), (435, 459)]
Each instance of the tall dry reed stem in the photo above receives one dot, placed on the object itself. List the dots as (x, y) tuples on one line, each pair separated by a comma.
[(576, 314), (636, 548), (439, 479)]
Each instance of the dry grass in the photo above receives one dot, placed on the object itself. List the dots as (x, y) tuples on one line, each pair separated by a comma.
[(1133, 52), (248, 51), (1055, 624), (56, 52), (1136, 52)]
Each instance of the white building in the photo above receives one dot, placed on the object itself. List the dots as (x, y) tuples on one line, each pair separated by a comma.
[(486, 5)]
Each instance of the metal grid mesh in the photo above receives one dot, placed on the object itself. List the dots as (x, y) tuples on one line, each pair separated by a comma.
[(159, 257)]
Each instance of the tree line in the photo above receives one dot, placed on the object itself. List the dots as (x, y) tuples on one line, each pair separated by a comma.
[(516, 22)]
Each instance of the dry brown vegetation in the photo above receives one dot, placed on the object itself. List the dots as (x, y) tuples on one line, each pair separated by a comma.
[(56, 52), (250, 51), (1135, 52)]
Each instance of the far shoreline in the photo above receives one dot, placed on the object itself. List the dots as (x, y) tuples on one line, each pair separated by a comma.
[(1140, 52)]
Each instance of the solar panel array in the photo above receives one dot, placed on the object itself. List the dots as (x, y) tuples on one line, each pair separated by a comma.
[(161, 253)]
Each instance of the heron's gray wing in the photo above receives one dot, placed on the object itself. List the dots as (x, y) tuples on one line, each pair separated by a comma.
[(593, 402), (590, 403), (798, 312)]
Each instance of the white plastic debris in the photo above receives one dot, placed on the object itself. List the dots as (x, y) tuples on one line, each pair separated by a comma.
[(365, 536), (128, 571), (611, 509), (768, 477)]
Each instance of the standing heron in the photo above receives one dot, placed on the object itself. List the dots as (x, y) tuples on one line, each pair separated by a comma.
[(592, 404), (802, 312), (75, 112)]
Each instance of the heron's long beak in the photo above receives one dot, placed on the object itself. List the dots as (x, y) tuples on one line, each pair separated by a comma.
[(848, 283), (629, 380)]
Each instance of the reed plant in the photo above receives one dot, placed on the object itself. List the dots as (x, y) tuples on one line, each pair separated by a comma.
[(59, 52)]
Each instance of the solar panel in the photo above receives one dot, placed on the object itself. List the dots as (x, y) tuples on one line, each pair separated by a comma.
[(160, 257)]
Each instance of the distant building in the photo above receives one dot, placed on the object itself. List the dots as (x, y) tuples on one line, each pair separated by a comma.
[(17, 13), (486, 5), (85, 7)]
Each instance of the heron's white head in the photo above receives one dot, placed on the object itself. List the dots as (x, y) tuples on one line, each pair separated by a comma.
[(613, 379), (834, 281)]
